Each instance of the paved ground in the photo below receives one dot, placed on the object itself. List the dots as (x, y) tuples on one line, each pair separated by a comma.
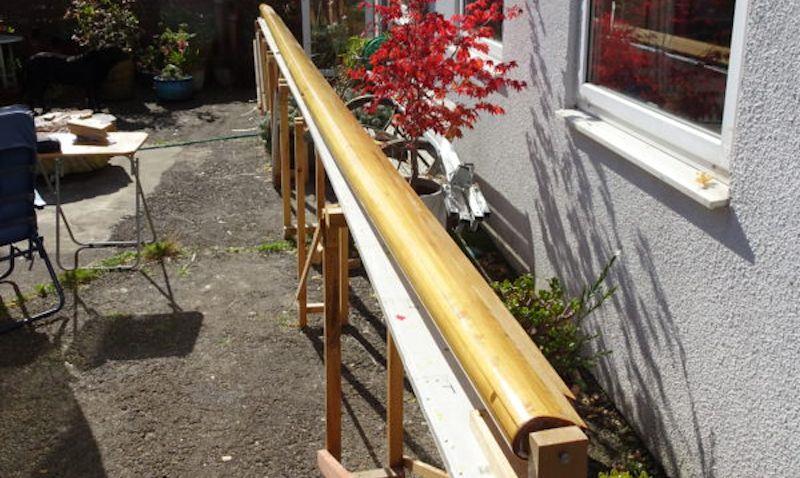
[(192, 366)]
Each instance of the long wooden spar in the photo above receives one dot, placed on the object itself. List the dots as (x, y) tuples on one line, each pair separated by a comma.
[(519, 387)]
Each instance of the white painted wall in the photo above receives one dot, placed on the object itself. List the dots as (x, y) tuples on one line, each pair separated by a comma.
[(705, 328)]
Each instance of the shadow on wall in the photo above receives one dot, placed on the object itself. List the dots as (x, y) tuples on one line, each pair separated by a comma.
[(578, 242)]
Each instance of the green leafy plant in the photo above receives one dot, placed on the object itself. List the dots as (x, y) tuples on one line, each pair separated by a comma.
[(104, 23), (173, 53), (553, 320), (5, 27)]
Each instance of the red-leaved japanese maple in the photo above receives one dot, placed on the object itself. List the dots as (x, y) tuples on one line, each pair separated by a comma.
[(427, 58)]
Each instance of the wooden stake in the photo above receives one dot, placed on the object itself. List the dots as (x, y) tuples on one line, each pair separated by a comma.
[(319, 177), (300, 165), (561, 452), (344, 275), (257, 69), (270, 80), (315, 239), (333, 220), (286, 174), (266, 84), (394, 404), (319, 173)]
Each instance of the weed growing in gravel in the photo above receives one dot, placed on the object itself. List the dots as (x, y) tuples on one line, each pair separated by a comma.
[(183, 271), (74, 278), (268, 247), (161, 250), (275, 246), (119, 260)]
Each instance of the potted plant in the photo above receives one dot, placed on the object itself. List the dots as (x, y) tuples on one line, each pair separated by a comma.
[(108, 24), (426, 58), (178, 55)]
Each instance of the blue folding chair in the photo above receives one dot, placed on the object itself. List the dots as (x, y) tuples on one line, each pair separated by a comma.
[(19, 201)]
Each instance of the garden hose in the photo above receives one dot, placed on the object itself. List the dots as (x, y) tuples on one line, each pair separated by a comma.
[(200, 141)]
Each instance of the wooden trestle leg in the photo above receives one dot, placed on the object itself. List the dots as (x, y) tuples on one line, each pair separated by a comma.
[(333, 223)]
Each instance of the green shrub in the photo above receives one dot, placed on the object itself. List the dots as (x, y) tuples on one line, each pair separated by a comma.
[(553, 320), (104, 23)]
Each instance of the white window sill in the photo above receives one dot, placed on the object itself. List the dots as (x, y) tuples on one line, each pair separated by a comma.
[(665, 166)]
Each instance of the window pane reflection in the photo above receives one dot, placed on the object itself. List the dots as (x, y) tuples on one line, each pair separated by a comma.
[(670, 54)]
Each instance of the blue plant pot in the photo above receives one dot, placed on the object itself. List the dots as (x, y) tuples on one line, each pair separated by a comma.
[(173, 90)]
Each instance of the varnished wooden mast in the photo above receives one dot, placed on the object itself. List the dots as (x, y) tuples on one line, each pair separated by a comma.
[(516, 383)]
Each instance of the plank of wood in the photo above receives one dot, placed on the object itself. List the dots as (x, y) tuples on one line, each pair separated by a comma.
[(683, 45), (344, 275), (499, 462), (522, 395), (394, 404), (333, 337), (561, 452), (422, 469), (330, 467)]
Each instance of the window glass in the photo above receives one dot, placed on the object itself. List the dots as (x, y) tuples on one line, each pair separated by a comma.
[(669, 54)]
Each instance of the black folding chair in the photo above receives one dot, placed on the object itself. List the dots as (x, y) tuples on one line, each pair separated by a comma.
[(19, 201)]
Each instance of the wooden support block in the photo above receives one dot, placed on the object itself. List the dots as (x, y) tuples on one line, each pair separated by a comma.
[(300, 169), (286, 175), (333, 334), (422, 469), (394, 404), (330, 467), (344, 275), (334, 217), (558, 452)]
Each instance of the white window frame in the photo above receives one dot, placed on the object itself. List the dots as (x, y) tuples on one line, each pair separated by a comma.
[(680, 138)]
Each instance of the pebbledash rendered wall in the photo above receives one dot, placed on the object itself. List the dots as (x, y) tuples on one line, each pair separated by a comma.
[(705, 328)]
